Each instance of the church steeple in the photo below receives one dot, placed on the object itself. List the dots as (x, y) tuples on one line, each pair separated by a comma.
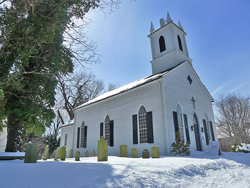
[(168, 18), (168, 45), (152, 29)]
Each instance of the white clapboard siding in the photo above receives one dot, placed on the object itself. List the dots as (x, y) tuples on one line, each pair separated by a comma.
[(120, 109), (69, 131), (177, 89)]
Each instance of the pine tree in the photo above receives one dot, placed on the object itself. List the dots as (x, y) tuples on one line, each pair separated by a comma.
[(179, 147), (32, 54)]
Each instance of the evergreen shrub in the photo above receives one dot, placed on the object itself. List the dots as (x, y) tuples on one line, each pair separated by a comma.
[(179, 147)]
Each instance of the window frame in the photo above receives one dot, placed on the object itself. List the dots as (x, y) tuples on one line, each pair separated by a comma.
[(180, 43), (162, 44), (107, 129), (142, 119), (180, 122)]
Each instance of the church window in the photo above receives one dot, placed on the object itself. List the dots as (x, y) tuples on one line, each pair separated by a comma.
[(83, 135), (109, 131), (180, 122), (65, 139), (212, 130), (162, 44), (107, 128), (179, 42), (143, 125), (78, 137), (186, 128), (206, 129)]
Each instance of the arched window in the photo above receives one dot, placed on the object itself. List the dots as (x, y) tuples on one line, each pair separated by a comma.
[(179, 42), (162, 44), (180, 122), (107, 129), (83, 135), (143, 125)]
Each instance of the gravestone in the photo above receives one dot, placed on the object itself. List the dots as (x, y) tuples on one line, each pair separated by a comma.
[(145, 154), (71, 153), (102, 149), (214, 148), (134, 152), (45, 154), (63, 153), (31, 153), (86, 154), (123, 151), (155, 152), (57, 154), (77, 156), (92, 153)]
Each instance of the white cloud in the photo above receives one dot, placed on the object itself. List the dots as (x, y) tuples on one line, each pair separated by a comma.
[(218, 89), (237, 87)]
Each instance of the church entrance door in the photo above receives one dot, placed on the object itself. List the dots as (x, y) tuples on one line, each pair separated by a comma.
[(197, 134)]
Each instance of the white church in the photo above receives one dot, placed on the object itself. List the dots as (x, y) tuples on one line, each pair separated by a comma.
[(148, 112)]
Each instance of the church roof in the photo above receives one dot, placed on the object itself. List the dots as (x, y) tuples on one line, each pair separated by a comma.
[(70, 122), (124, 88), (133, 85)]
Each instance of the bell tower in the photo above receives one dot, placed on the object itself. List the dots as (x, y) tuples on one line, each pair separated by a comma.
[(168, 45)]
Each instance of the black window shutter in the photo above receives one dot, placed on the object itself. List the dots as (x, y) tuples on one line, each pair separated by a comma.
[(111, 124), (186, 128), (78, 137), (212, 130), (150, 127), (135, 132), (101, 129), (176, 128), (85, 137), (206, 133)]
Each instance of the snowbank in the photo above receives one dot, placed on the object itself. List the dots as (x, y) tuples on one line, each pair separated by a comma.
[(198, 170), (245, 147)]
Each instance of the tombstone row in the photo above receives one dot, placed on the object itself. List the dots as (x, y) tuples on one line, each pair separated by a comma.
[(134, 152), (103, 151), (31, 152)]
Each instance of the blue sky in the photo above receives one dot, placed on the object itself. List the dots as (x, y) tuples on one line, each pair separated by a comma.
[(217, 38)]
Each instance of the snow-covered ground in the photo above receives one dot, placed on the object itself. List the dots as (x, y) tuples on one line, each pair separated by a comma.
[(197, 170)]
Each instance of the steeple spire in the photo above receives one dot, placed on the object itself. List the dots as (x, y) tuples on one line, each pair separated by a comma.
[(152, 29), (168, 18), (179, 24)]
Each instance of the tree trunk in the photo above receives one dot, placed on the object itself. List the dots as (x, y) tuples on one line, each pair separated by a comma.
[(12, 130)]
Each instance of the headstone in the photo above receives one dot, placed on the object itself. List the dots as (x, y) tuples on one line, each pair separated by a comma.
[(86, 154), (28, 153), (214, 148), (102, 150), (63, 153), (123, 151), (34, 148), (77, 156), (134, 152), (45, 154), (57, 154), (155, 152), (145, 154), (92, 153), (71, 153), (31, 153)]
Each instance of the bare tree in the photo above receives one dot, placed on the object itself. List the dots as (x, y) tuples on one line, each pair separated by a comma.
[(76, 89), (233, 118)]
